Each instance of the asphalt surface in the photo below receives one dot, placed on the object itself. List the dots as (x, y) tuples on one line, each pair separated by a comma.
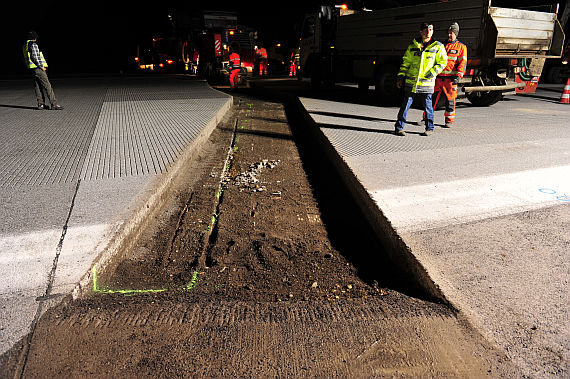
[(483, 207), (74, 182)]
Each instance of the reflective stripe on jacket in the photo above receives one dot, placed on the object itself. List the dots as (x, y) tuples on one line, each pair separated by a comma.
[(262, 53), (420, 65), (235, 62), (456, 59), (29, 59)]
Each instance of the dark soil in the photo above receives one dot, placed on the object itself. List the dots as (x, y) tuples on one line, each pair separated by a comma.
[(256, 230)]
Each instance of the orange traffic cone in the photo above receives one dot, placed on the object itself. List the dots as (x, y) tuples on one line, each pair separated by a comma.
[(565, 98)]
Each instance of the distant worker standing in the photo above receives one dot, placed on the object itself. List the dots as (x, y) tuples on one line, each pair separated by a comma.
[(423, 60), (447, 81), (235, 67), (295, 57), (262, 56), (36, 63)]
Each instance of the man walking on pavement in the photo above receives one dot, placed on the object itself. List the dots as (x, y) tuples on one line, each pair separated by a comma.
[(423, 60), (447, 81), (36, 63)]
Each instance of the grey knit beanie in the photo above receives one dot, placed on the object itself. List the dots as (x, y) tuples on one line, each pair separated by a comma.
[(454, 28), (32, 35)]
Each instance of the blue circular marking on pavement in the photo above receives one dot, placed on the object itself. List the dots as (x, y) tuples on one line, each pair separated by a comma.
[(563, 198), (547, 191)]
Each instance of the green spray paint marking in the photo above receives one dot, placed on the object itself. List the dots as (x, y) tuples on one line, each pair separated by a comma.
[(220, 192), (187, 287), (214, 219), (236, 148), (193, 282)]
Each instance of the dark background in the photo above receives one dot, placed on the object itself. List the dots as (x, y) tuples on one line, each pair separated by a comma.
[(100, 37)]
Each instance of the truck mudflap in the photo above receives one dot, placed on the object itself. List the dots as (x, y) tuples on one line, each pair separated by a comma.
[(529, 85)]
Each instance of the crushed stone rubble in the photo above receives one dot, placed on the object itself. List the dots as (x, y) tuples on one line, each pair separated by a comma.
[(249, 179)]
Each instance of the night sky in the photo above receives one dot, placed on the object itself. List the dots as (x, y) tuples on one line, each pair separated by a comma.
[(98, 37)]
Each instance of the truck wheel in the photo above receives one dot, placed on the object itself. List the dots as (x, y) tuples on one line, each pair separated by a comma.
[(553, 76), (363, 85), (316, 79), (485, 99), (386, 89)]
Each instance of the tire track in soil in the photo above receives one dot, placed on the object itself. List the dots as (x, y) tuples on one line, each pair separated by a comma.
[(280, 290)]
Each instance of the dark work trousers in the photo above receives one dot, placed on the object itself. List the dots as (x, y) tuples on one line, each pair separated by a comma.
[(43, 87)]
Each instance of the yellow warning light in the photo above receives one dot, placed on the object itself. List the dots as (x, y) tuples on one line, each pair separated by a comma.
[(231, 32), (278, 45), (136, 59), (344, 7)]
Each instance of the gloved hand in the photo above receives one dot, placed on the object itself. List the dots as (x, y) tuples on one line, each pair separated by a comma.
[(455, 79), (399, 81)]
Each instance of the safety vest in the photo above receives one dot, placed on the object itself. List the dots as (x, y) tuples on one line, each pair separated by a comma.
[(27, 55), (420, 65), (456, 59), (262, 53), (235, 62)]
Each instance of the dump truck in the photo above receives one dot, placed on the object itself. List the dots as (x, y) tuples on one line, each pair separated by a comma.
[(506, 47)]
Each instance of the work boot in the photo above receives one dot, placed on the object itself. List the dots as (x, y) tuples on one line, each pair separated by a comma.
[(57, 107), (427, 132), (42, 107), (399, 132)]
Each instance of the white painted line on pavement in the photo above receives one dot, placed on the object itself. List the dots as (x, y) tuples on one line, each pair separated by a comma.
[(428, 206)]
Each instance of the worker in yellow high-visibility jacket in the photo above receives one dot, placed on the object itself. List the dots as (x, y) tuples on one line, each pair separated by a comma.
[(37, 65), (423, 60)]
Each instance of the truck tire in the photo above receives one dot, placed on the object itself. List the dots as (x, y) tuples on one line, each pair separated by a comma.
[(485, 99), (316, 81), (553, 76), (385, 83), (314, 70)]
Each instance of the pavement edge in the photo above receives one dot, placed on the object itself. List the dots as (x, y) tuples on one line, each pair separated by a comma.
[(160, 191), (393, 243)]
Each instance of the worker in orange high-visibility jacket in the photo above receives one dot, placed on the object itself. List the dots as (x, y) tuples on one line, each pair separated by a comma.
[(446, 82), (262, 57), (295, 57), (234, 67)]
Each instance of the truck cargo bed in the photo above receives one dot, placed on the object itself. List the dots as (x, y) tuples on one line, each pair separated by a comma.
[(488, 32)]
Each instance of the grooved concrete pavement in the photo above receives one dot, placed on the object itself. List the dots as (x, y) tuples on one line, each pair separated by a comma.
[(69, 180), (483, 207)]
